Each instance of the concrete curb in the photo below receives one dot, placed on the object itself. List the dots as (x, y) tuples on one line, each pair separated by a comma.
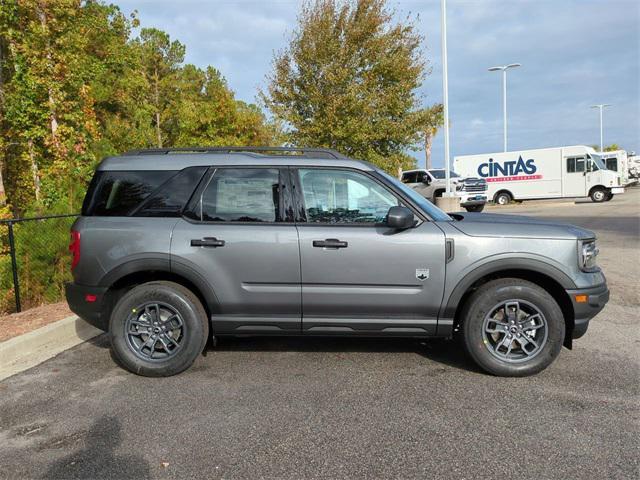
[(25, 351)]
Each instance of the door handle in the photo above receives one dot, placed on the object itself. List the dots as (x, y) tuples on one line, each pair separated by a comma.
[(330, 243), (207, 242)]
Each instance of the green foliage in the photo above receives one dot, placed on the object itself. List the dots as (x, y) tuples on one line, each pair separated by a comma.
[(75, 87), (348, 81)]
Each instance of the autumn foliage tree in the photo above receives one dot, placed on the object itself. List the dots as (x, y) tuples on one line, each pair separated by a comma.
[(348, 80), (76, 85)]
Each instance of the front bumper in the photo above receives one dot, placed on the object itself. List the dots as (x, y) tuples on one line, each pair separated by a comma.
[(468, 199), (93, 312), (597, 298)]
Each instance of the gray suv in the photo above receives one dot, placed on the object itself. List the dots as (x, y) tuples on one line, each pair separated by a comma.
[(177, 246)]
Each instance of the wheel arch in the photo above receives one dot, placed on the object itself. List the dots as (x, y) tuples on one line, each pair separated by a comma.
[(139, 271), (546, 276), (503, 190)]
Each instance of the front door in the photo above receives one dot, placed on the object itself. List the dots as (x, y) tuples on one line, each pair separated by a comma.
[(574, 181), (359, 276), (236, 236)]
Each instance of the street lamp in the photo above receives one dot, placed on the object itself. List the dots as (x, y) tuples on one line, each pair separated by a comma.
[(503, 69), (445, 97), (601, 107)]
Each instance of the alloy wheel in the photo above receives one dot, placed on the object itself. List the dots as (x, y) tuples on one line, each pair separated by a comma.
[(155, 331), (515, 331)]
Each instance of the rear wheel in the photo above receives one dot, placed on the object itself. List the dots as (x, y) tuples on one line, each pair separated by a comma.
[(503, 198), (608, 197), (598, 194), (474, 208), (158, 329), (512, 328)]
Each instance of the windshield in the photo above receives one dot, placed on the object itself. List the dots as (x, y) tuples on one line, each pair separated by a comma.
[(598, 161), (440, 174), (429, 208)]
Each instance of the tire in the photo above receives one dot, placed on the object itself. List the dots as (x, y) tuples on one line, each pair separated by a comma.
[(523, 353), (474, 208), (598, 195), (180, 335), (609, 197), (503, 198)]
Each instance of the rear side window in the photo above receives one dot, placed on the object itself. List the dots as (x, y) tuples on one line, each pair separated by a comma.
[(118, 193), (169, 199), (242, 195), (409, 177)]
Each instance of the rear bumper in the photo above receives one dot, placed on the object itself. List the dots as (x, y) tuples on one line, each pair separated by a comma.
[(617, 190), (94, 312), (597, 298)]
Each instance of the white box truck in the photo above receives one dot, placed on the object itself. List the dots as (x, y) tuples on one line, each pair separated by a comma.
[(573, 171), (617, 161)]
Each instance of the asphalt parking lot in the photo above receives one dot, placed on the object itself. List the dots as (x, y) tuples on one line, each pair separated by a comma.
[(302, 408)]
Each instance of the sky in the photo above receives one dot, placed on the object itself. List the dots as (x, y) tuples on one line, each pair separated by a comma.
[(574, 53)]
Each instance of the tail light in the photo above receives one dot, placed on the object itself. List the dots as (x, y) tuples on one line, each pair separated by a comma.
[(74, 248)]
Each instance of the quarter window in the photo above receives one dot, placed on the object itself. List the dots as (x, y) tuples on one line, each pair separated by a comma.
[(340, 196), (242, 195)]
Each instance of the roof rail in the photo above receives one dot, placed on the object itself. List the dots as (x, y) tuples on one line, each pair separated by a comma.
[(303, 151)]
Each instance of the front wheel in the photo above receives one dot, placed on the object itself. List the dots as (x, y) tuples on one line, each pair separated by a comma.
[(158, 329), (474, 208), (512, 328), (608, 197), (598, 195)]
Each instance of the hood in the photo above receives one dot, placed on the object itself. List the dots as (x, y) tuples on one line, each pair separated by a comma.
[(515, 226)]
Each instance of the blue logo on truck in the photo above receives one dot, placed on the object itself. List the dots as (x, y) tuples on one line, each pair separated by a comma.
[(510, 168)]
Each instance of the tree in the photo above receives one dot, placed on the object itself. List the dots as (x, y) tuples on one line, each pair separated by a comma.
[(348, 81), (433, 120)]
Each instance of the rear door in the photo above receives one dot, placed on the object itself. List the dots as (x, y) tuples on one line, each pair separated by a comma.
[(238, 234), (359, 276)]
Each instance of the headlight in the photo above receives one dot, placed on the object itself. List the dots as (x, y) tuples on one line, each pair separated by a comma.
[(459, 186), (587, 253)]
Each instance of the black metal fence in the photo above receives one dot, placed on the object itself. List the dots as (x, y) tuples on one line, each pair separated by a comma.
[(34, 261)]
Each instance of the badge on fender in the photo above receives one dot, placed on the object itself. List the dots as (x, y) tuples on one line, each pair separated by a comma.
[(422, 274)]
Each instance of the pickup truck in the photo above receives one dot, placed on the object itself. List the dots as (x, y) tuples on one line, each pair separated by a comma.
[(431, 184)]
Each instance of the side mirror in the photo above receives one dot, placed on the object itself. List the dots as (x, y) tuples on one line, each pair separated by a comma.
[(426, 180), (400, 218)]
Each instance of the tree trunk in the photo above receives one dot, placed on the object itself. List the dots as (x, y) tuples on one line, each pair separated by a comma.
[(157, 95), (428, 143), (3, 197), (34, 171), (53, 120)]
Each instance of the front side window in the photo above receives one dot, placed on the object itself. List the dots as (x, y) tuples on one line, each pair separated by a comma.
[(575, 164), (342, 196), (242, 195)]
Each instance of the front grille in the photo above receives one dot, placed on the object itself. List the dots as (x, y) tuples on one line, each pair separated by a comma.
[(478, 187)]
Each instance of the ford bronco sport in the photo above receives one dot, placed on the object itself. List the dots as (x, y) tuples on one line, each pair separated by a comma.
[(175, 246)]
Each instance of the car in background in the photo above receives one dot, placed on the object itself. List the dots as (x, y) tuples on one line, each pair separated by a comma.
[(432, 184)]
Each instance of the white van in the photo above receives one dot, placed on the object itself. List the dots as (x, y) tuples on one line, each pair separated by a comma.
[(574, 171), (617, 161)]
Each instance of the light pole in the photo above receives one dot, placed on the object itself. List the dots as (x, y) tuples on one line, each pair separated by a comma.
[(503, 69), (601, 107), (445, 96)]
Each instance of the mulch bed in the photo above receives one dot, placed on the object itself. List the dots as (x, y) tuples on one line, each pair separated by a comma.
[(18, 323)]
